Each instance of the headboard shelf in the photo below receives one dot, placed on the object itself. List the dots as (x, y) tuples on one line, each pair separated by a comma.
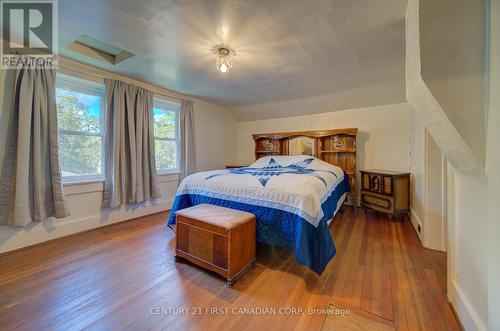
[(346, 150), (312, 134), (336, 146)]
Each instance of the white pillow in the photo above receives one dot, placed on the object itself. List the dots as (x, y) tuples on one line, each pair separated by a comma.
[(286, 160), (282, 160)]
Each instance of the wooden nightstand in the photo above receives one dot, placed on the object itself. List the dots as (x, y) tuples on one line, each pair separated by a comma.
[(386, 191)]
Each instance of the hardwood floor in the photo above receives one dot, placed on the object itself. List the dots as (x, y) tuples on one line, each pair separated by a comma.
[(125, 277)]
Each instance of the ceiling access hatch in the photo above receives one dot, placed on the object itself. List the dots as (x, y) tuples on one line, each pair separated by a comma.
[(99, 50)]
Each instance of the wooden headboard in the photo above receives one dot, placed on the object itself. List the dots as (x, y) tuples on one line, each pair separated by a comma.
[(337, 147)]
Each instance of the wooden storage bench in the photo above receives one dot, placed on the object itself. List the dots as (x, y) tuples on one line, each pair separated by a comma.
[(216, 238)]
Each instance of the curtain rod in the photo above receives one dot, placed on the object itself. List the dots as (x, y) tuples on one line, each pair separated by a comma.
[(85, 69)]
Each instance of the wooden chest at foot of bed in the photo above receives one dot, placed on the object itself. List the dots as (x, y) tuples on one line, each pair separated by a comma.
[(216, 238)]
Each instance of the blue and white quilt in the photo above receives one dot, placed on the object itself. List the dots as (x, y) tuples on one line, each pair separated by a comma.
[(292, 198)]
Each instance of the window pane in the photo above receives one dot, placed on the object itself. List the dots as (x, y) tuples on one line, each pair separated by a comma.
[(78, 111), (164, 123), (80, 155), (165, 154)]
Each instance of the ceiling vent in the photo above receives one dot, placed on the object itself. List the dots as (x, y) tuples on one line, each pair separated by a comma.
[(99, 50)]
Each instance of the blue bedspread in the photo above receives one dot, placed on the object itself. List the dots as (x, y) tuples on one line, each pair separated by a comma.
[(313, 245)]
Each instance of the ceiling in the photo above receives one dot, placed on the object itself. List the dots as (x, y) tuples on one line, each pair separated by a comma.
[(350, 50)]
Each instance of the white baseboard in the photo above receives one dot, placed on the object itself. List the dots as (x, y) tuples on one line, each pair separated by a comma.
[(467, 315), (15, 238), (415, 220)]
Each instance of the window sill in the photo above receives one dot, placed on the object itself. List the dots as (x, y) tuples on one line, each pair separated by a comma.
[(101, 180), (97, 185), (83, 186), (82, 181), (168, 172)]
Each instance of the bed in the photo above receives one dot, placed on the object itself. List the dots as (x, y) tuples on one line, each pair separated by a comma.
[(294, 199)]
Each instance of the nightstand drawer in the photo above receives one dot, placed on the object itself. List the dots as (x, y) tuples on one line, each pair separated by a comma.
[(377, 202)]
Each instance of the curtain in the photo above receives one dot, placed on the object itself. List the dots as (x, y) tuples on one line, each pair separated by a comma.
[(188, 143), (31, 187), (130, 175)]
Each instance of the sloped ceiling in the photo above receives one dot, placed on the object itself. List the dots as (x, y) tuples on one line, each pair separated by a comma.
[(353, 51)]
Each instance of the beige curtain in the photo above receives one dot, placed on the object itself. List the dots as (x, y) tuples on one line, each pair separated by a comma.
[(31, 187), (188, 142), (130, 175)]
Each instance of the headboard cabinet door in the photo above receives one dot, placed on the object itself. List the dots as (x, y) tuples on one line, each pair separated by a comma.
[(267, 146)]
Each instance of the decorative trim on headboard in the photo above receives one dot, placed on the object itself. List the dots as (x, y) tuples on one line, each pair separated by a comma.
[(337, 147)]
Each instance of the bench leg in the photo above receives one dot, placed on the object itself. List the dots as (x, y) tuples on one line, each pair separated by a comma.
[(230, 281)]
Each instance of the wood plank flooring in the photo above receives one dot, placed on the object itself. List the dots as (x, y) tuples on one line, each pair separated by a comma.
[(338, 320), (124, 277)]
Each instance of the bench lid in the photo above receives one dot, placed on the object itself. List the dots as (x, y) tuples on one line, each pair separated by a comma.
[(218, 216)]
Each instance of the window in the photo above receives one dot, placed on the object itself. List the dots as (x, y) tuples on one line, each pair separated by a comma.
[(166, 131), (80, 116)]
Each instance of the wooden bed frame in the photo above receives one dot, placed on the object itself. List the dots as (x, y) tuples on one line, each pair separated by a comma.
[(337, 147)]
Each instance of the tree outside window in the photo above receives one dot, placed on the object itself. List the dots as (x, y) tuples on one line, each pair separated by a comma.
[(80, 122)]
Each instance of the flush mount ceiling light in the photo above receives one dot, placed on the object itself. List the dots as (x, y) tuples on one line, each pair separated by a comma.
[(224, 61)]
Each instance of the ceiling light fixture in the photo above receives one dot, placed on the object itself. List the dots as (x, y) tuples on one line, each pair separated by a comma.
[(224, 61)]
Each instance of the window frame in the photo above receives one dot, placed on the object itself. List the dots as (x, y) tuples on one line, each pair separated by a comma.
[(168, 105), (79, 85)]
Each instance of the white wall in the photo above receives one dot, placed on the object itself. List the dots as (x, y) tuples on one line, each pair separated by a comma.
[(382, 138), (475, 291), (427, 181), (492, 167), (434, 230), (215, 139), (417, 169), (470, 281), (215, 136), (469, 278), (452, 53)]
